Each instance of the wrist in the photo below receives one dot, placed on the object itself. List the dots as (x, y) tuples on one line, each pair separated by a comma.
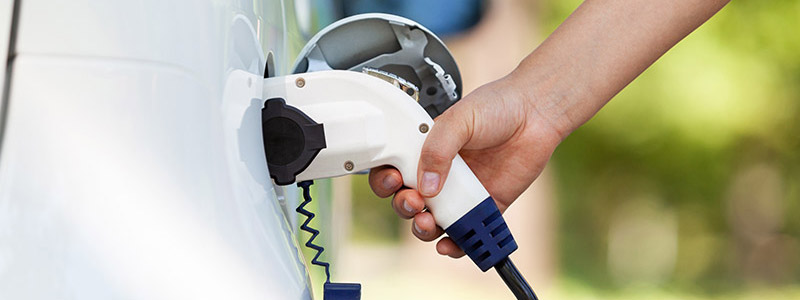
[(546, 105)]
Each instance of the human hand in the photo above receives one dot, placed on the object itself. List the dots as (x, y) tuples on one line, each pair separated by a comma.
[(499, 133), (507, 130)]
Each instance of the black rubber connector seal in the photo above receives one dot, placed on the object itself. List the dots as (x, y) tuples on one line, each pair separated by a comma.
[(483, 234), (291, 140), (341, 291)]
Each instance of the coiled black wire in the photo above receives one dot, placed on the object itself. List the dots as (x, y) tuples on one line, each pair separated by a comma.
[(306, 186), (514, 280)]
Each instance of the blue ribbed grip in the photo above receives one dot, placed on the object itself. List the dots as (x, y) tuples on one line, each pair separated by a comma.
[(483, 234)]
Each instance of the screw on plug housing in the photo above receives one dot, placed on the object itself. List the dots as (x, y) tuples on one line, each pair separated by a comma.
[(300, 82), (423, 128), (349, 165)]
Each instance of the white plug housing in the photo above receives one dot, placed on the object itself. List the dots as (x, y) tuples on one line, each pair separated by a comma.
[(369, 123)]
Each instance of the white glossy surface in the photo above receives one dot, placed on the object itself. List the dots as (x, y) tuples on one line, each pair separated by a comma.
[(132, 164), (6, 13)]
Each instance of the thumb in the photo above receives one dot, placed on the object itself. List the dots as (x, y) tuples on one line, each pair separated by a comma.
[(451, 131)]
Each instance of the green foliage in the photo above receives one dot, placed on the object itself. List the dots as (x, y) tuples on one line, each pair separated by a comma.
[(374, 219), (724, 101)]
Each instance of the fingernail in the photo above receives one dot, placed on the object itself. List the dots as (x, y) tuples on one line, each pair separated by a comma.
[(430, 182), (408, 208), (420, 231), (390, 182)]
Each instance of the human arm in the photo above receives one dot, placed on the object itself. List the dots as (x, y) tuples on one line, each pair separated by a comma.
[(507, 130)]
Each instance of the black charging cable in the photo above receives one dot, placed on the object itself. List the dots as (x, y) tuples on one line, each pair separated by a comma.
[(514, 280)]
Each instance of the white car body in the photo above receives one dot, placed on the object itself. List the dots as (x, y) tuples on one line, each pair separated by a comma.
[(131, 164)]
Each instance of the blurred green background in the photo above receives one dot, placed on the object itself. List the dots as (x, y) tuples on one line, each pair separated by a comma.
[(700, 154), (685, 186)]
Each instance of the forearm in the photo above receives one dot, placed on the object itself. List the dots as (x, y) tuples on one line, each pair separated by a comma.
[(598, 50)]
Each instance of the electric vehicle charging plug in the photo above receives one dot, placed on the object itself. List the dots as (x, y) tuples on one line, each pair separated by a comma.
[(332, 123)]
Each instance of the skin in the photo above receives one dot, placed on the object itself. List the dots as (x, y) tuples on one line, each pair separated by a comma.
[(507, 130)]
